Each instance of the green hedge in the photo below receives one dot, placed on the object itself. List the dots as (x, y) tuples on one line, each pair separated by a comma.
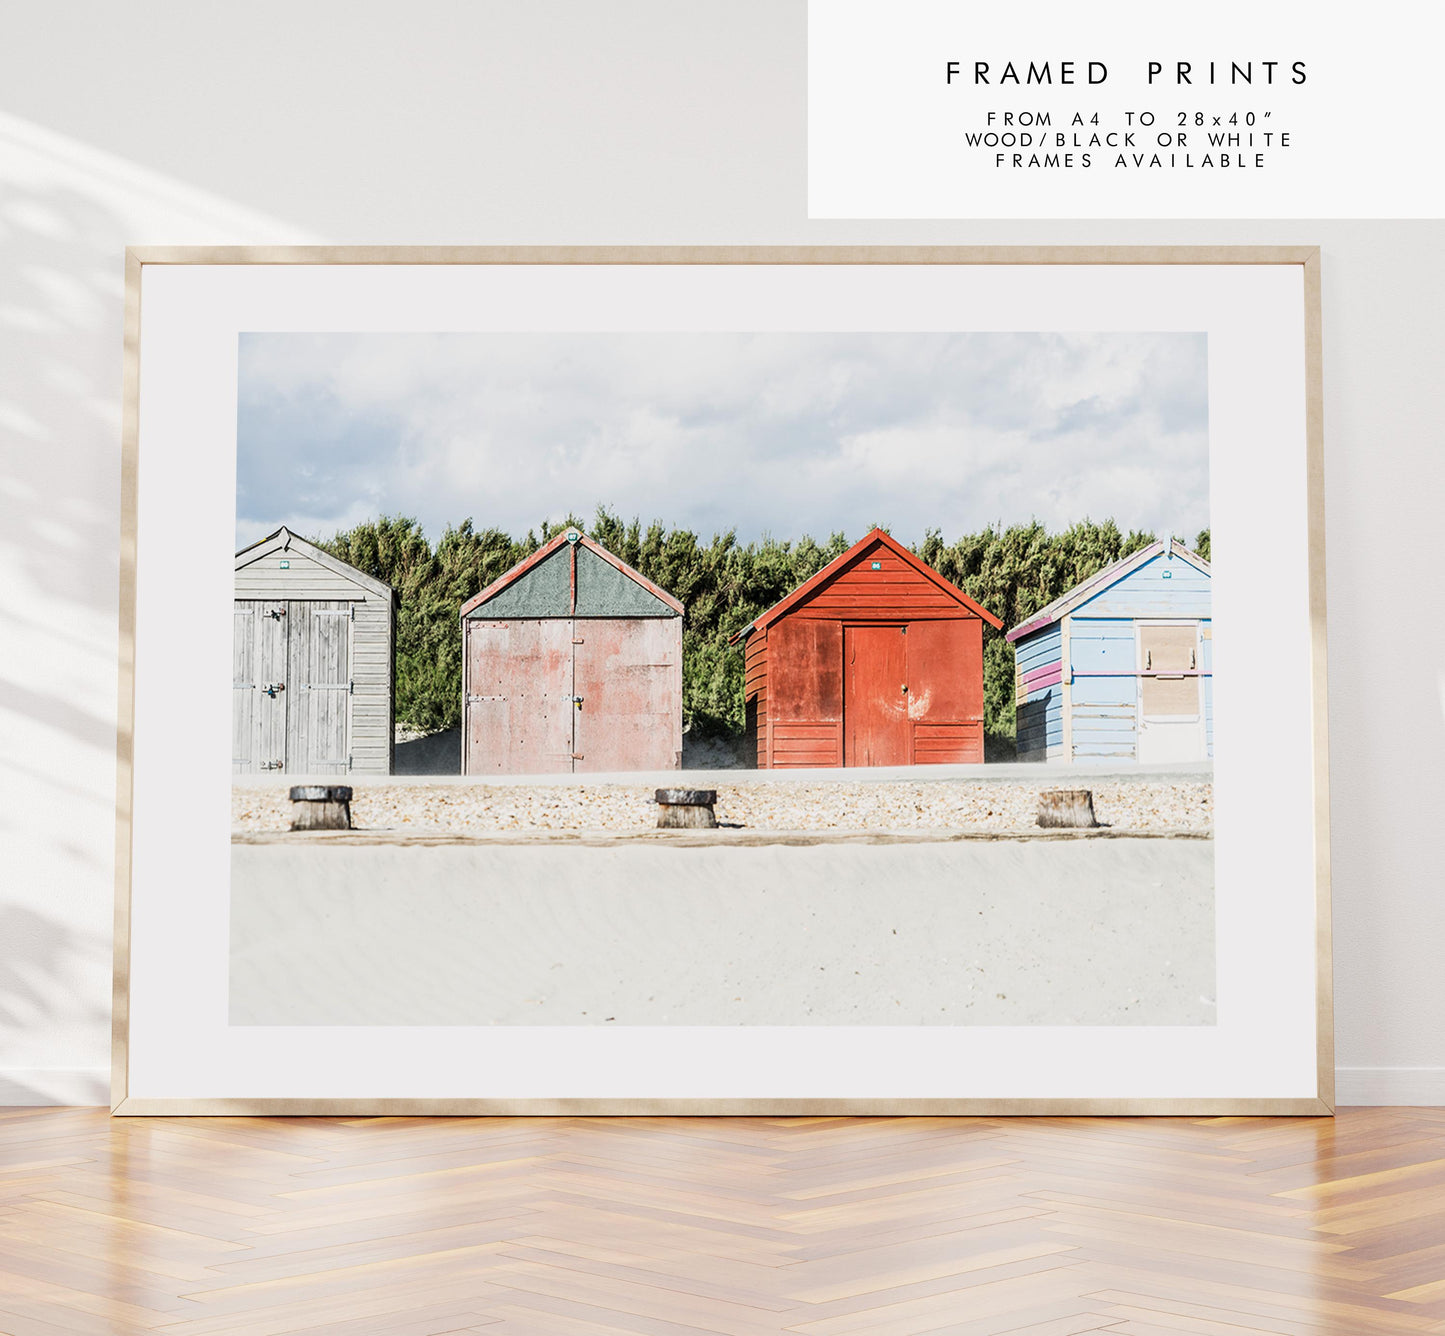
[(722, 583)]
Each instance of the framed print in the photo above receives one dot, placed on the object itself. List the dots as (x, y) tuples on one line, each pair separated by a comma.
[(877, 680)]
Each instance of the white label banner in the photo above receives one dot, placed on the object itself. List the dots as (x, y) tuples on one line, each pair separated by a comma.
[(941, 109)]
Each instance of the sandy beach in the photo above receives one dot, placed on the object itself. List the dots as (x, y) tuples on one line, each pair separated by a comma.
[(1116, 931)]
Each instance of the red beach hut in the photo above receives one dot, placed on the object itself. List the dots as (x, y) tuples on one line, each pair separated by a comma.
[(877, 660)]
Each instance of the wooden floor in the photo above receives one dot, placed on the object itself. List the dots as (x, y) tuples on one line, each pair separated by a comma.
[(671, 1227)]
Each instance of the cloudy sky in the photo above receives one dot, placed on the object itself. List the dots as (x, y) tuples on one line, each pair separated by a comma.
[(781, 434)]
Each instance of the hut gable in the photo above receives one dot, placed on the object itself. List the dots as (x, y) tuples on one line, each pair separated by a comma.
[(544, 589), (1166, 585), (876, 578), (306, 570), (572, 579), (608, 590), (1137, 581)]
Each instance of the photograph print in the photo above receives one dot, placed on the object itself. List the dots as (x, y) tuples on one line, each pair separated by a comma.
[(722, 679)]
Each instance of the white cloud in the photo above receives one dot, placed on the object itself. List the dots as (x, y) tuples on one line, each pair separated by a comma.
[(785, 433)]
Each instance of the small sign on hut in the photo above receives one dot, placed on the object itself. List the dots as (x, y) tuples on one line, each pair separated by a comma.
[(572, 663), (877, 660), (312, 663)]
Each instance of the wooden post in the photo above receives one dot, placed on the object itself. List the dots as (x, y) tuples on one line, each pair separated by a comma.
[(686, 809), (321, 807), (1067, 808)]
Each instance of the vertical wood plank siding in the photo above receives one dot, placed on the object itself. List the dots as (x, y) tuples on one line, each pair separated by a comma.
[(243, 688), (318, 686), (805, 681)]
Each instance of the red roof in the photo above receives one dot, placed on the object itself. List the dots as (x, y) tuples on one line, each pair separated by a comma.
[(838, 565)]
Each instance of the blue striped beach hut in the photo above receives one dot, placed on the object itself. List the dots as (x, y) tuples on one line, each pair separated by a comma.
[(1121, 667)]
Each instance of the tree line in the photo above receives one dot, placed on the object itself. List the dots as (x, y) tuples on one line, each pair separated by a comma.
[(723, 584)]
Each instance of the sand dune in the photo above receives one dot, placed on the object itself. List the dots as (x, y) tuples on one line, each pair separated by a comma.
[(1005, 932)]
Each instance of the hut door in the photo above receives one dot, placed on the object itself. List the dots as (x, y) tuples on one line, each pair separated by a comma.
[(318, 696), (519, 696), (258, 677), (876, 727), (1171, 722), (243, 690), (625, 681), (945, 691)]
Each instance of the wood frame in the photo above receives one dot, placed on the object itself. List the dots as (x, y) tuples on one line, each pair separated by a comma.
[(1306, 257)]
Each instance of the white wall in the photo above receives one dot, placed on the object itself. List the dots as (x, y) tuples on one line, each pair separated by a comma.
[(640, 121)]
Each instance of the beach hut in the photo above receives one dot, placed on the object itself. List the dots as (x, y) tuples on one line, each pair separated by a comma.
[(313, 663), (877, 660), (572, 662), (1121, 667)]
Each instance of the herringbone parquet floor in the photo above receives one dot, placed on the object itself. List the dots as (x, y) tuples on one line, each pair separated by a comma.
[(750, 1227)]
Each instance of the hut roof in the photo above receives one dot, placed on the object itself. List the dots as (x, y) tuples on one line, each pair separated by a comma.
[(839, 565), (1100, 581), (537, 561), (283, 540)]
